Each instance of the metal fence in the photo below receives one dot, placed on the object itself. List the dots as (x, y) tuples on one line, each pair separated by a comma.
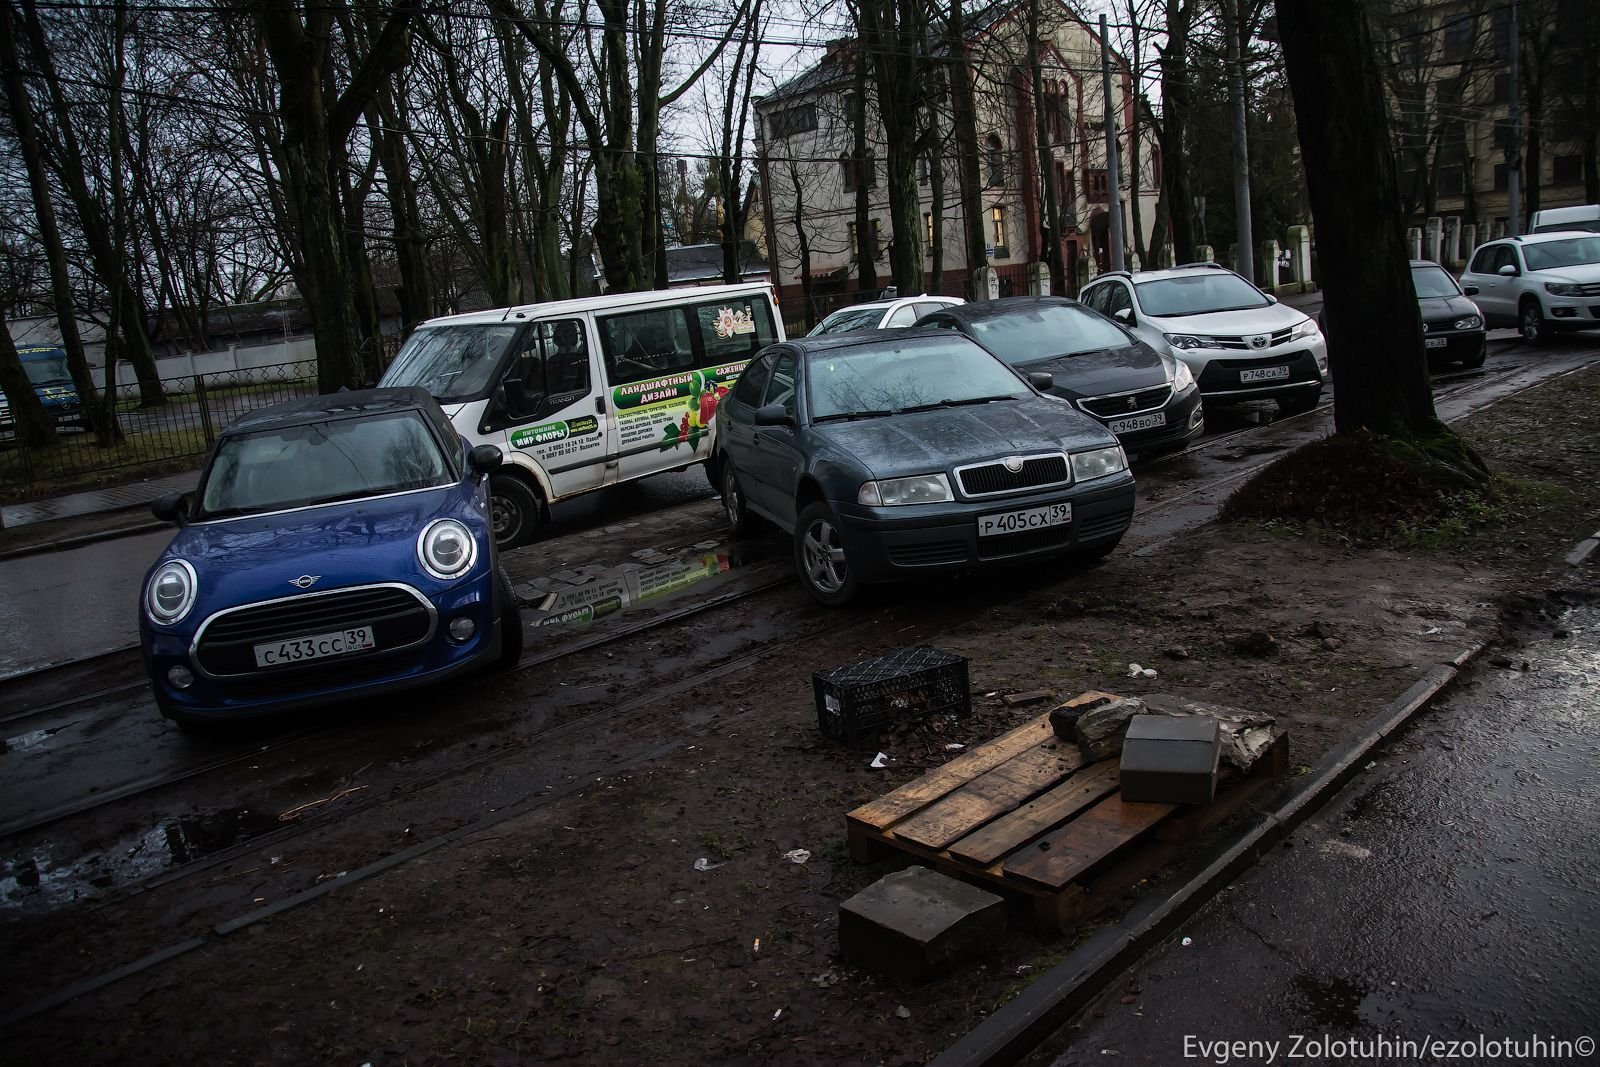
[(197, 407)]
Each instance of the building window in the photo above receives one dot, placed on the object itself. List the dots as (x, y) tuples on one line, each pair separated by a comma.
[(997, 233), (922, 171), (791, 120), (877, 240), (854, 176), (1452, 180), (1502, 88), (927, 221), (995, 160), (855, 247), (1501, 179), (1095, 185), (1567, 170), (850, 100), (1457, 38)]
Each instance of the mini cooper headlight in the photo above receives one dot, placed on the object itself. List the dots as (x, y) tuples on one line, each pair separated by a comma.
[(918, 489), (1098, 464), (446, 548), (171, 592)]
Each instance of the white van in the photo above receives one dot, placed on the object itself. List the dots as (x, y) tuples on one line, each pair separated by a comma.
[(1582, 217), (581, 394)]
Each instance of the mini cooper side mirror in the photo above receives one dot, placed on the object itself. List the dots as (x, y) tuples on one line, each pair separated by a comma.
[(171, 507), (485, 459), (1042, 380)]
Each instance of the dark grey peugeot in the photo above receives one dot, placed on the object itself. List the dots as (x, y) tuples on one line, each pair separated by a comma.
[(893, 456)]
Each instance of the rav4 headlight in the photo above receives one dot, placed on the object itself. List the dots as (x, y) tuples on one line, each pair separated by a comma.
[(1098, 464), (1307, 328), (446, 548), (1187, 340), (170, 593), (892, 492)]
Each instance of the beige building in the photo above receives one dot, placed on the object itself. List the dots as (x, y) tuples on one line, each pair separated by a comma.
[(809, 175)]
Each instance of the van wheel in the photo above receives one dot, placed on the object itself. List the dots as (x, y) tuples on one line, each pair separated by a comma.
[(820, 559), (514, 510), (1535, 330), (510, 623)]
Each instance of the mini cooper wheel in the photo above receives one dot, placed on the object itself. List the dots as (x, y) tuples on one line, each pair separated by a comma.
[(513, 510), (733, 505), (510, 622), (820, 558), (1535, 330)]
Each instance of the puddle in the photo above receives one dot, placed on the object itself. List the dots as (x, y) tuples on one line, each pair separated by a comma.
[(29, 739), (1332, 1003), (650, 580), (33, 879)]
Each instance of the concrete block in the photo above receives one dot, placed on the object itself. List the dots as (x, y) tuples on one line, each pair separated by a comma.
[(1171, 760), (914, 924)]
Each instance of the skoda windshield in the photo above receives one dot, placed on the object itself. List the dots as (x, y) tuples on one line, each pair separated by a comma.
[(888, 378), (322, 462), (454, 363)]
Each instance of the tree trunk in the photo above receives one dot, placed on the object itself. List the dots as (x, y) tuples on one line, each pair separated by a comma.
[(935, 157), (890, 33), (805, 248), (1375, 328), (965, 127), (1135, 211), (1175, 108), (106, 431), (415, 291), (866, 167), (1050, 218)]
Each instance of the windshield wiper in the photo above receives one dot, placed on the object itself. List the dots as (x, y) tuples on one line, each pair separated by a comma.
[(954, 403), (846, 416)]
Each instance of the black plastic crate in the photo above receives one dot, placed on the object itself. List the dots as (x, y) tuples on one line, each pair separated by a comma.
[(856, 701)]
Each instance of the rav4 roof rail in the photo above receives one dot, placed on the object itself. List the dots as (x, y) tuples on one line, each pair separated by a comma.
[(1201, 263)]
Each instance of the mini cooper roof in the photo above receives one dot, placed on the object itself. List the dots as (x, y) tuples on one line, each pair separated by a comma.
[(349, 404)]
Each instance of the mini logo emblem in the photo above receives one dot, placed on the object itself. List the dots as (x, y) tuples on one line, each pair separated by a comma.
[(1013, 464), (1259, 341), (305, 581)]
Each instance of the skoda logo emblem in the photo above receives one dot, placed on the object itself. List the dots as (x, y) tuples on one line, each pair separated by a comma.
[(1013, 464), (1259, 341), (305, 581)]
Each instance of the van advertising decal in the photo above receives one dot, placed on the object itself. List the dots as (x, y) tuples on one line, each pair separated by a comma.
[(673, 410), (556, 439)]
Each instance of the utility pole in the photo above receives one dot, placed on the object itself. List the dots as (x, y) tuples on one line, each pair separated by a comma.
[(1241, 148), (1514, 148), (1113, 181)]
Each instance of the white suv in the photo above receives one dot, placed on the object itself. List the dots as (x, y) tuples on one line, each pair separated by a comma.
[(1540, 283), (883, 314), (1240, 343)]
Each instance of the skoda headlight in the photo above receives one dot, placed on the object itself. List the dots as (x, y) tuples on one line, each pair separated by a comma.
[(446, 548), (1471, 322), (1097, 464), (1183, 377), (1187, 340), (1308, 328), (171, 592), (892, 492), (1563, 289)]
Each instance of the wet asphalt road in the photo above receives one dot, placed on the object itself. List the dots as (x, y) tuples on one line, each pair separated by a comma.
[(1449, 891)]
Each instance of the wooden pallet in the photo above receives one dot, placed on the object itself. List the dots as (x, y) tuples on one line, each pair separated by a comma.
[(1026, 813)]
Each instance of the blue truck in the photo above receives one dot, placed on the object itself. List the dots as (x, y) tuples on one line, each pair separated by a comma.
[(47, 369)]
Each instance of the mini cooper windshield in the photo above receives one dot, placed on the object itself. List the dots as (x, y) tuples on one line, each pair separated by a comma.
[(886, 379), (321, 462)]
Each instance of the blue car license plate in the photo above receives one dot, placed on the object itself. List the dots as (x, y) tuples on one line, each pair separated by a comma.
[(1010, 522), (317, 646)]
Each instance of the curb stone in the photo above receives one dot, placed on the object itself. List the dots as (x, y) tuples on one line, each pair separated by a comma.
[(1025, 1022)]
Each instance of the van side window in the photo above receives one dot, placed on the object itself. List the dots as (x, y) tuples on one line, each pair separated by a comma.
[(646, 344), (732, 332)]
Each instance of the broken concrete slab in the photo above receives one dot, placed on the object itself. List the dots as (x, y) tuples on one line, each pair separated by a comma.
[(1245, 734), (915, 924), (1099, 730)]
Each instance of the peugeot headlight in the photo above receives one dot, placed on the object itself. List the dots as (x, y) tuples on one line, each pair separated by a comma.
[(892, 492), (171, 592), (446, 548), (1563, 289), (1098, 464), (1471, 322), (1187, 340), (1308, 328), (1183, 377)]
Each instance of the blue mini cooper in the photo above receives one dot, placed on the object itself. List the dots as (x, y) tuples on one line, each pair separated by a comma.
[(336, 547)]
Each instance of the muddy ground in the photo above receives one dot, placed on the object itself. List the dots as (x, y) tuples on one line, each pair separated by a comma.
[(582, 932)]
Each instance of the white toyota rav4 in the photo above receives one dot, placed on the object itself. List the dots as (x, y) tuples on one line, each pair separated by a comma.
[(1240, 343)]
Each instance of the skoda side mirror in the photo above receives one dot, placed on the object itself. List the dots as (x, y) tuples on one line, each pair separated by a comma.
[(171, 507), (1042, 380), (485, 459), (773, 415)]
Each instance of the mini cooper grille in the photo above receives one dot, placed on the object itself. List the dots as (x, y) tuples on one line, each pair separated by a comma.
[(990, 478), (1111, 407), (398, 617)]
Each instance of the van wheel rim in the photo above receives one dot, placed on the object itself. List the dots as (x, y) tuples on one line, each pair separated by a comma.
[(505, 517), (824, 557)]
